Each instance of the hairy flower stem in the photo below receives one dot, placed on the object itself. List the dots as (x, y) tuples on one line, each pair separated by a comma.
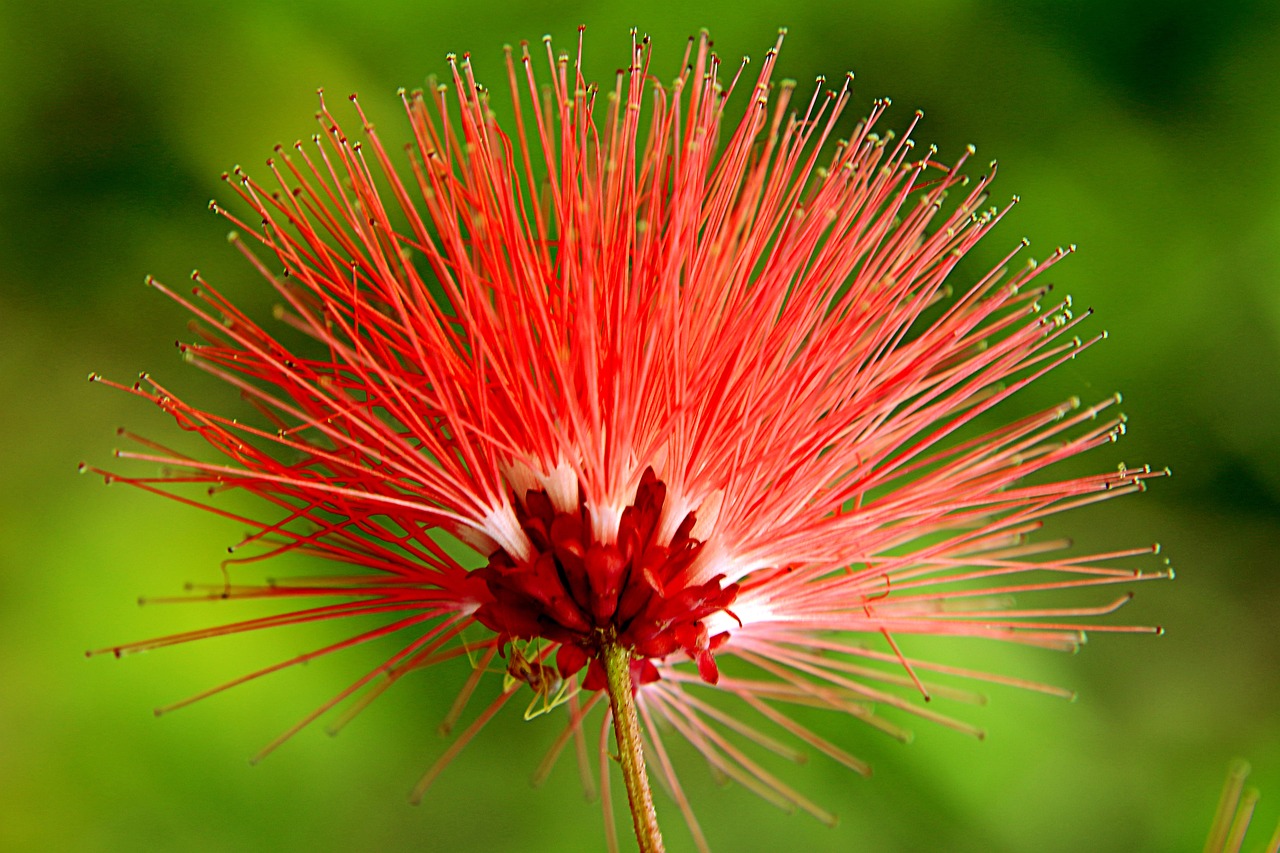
[(626, 728)]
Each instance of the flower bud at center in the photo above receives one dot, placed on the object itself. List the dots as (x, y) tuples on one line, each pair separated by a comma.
[(584, 594)]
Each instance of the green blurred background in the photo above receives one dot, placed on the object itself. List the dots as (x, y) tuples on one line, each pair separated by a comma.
[(1146, 132)]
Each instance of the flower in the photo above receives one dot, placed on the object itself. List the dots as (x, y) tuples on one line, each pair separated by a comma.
[(621, 380)]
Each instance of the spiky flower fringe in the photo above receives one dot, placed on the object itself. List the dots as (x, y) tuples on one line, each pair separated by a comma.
[(693, 388)]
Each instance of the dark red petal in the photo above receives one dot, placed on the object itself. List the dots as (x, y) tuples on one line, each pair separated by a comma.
[(686, 636), (658, 645), (566, 538), (565, 611), (633, 599), (570, 659), (540, 507), (605, 569), (596, 678), (644, 672), (707, 668)]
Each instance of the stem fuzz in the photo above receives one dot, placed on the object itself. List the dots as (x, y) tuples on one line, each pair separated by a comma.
[(626, 728)]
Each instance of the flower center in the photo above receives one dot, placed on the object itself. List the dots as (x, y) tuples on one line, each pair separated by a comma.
[(585, 594)]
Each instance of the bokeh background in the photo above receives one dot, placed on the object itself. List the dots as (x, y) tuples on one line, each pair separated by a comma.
[(1145, 132)]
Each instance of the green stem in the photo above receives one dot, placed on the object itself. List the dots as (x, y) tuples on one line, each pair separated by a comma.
[(626, 728)]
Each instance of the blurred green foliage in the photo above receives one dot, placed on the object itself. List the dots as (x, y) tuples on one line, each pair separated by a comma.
[(1143, 131)]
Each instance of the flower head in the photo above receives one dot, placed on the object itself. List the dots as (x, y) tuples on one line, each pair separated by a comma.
[(620, 372)]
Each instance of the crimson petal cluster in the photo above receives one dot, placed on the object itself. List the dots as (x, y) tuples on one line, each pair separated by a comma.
[(583, 594)]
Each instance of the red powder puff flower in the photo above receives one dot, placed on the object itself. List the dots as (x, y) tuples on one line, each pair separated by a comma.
[(645, 393)]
